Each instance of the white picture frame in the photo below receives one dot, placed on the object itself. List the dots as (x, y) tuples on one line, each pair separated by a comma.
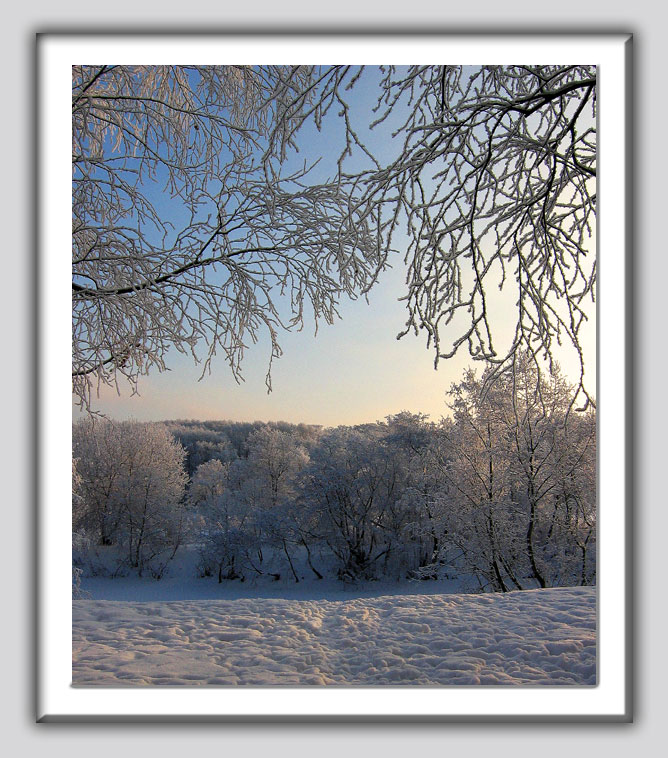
[(610, 699)]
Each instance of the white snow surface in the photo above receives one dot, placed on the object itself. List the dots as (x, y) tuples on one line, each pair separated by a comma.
[(534, 637)]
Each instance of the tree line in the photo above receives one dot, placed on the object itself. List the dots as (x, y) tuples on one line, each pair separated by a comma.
[(501, 493)]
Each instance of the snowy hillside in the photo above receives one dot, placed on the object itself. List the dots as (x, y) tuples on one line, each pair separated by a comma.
[(544, 637)]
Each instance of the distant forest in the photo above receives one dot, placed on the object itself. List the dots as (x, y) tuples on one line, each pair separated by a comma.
[(227, 440), (502, 492)]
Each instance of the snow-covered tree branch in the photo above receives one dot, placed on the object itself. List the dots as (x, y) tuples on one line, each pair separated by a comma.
[(186, 228), (495, 187), (194, 224)]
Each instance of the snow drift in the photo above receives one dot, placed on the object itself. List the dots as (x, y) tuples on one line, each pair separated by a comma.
[(536, 637)]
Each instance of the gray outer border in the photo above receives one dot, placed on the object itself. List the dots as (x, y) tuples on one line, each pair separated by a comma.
[(631, 419)]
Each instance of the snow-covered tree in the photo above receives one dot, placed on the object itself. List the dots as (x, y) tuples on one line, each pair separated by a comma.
[(351, 485), (274, 459), (481, 523), (422, 451), (132, 483), (246, 508), (219, 521), (77, 539), (554, 452), (208, 484), (522, 479), (77, 500)]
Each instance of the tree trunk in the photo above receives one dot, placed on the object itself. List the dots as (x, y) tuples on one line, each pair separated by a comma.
[(292, 568), (308, 560), (532, 557)]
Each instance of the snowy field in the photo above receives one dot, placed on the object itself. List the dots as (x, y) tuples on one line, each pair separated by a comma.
[(536, 637)]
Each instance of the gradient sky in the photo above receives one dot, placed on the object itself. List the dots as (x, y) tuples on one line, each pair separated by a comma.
[(353, 371)]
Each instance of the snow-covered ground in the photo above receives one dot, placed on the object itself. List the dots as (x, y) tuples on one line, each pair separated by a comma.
[(538, 637), (182, 582)]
